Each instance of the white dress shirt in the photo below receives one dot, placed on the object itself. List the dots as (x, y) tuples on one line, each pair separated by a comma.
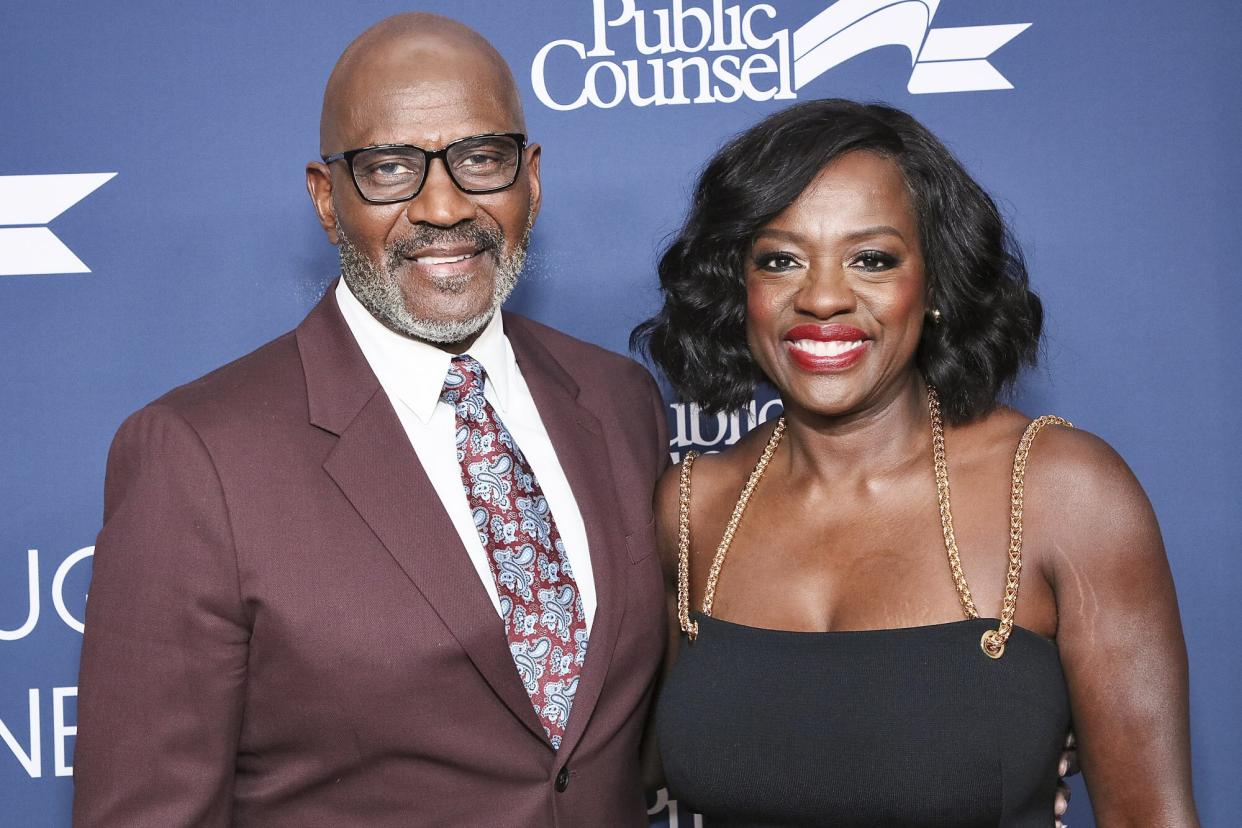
[(412, 374)]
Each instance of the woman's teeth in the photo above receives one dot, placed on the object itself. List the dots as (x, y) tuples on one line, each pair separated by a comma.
[(832, 348)]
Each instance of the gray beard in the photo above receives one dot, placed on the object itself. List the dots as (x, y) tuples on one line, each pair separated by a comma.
[(376, 287)]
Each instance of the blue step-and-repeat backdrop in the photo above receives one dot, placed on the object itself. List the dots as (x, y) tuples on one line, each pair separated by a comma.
[(154, 224)]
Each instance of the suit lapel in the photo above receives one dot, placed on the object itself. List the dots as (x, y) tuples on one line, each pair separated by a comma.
[(377, 470), (577, 438)]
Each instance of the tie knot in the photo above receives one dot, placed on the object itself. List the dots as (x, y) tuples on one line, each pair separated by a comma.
[(464, 380)]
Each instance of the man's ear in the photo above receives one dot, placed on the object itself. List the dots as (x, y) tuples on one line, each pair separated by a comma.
[(532, 172), (319, 185)]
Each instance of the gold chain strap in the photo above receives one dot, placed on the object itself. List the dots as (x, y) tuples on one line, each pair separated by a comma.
[(946, 514), (690, 628), (993, 641)]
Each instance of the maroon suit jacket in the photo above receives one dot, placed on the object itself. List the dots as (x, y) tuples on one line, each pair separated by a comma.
[(284, 629)]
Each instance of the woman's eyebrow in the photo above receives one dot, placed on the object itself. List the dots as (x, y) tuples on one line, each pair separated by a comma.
[(864, 233)]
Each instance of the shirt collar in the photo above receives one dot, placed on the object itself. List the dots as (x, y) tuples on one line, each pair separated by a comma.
[(413, 371)]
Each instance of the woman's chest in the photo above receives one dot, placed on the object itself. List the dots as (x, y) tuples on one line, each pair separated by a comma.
[(867, 564)]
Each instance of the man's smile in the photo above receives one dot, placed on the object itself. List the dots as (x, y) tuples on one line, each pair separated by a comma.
[(439, 260), (447, 253)]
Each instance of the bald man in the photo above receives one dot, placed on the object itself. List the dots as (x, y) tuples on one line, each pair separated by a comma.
[(394, 567)]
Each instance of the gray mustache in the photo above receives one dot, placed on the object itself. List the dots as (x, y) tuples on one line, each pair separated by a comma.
[(484, 238)]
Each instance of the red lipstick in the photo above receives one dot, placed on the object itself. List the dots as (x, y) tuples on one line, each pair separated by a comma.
[(826, 349)]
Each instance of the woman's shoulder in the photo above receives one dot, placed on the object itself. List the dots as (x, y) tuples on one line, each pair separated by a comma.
[(1076, 486), (1059, 449), (713, 479), (1072, 458), (719, 469)]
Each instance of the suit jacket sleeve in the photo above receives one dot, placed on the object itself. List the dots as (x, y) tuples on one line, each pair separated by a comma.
[(164, 653), (661, 423)]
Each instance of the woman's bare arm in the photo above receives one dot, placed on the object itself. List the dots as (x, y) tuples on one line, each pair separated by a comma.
[(666, 515), (1119, 633)]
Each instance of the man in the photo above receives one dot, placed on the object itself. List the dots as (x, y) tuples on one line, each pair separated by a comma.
[(395, 567)]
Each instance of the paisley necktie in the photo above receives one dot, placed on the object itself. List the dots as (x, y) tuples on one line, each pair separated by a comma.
[(539, 601)]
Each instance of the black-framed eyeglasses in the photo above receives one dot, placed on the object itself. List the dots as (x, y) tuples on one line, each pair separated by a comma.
[(389, 173)]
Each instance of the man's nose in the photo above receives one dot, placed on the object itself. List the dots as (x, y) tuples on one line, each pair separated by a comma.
[(440, 203), (825, 292)]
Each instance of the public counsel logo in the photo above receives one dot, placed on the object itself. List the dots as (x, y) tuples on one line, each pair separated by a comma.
[(27, 204), (687, 54)]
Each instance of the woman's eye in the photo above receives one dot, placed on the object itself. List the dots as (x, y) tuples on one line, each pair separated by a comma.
[(874, 260), (775, 262)]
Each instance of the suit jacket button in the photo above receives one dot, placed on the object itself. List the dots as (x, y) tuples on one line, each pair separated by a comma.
[(562, 780)]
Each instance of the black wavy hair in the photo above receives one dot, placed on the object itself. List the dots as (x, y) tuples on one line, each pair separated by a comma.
[(990, 320)]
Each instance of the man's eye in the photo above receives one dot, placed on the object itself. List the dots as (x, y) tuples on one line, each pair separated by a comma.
[(775, 262), (874, 260), (394, 168), (478, 160)]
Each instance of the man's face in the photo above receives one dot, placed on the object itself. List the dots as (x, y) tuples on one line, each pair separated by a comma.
[(436, 267), (384, 288)]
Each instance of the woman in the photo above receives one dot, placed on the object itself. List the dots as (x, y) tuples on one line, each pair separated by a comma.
[(862, 642)]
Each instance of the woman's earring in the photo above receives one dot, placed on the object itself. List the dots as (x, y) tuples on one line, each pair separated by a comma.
[(935, 316)]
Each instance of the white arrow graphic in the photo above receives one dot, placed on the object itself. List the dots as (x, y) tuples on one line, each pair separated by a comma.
[(33, 201), (944, 60)]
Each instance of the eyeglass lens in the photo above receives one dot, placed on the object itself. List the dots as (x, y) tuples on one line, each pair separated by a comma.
[(475, 165)]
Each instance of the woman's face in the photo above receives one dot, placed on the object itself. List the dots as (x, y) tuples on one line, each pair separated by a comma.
[(835, 289)]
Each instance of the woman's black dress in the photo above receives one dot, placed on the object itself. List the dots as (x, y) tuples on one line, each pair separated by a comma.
[(904, 727), (884, 728)]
